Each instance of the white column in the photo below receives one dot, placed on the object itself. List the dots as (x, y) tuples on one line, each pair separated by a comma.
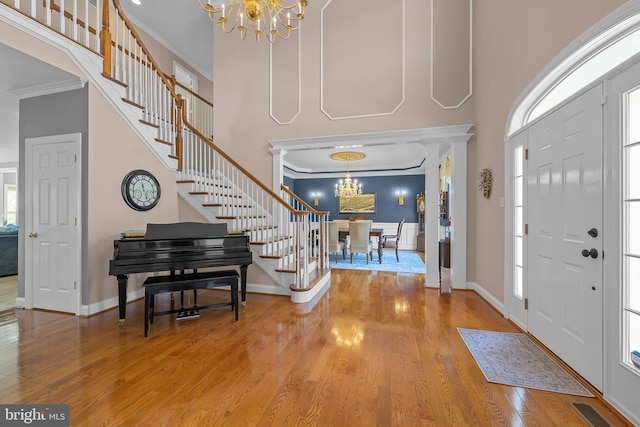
[(278, 166), (458, 198), (431, 222)]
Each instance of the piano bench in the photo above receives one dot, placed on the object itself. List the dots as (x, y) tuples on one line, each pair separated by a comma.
[(187, 282)]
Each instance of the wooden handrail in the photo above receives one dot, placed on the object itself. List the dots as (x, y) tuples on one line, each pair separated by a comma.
[(173, 80), (238, 166), (302, 202)]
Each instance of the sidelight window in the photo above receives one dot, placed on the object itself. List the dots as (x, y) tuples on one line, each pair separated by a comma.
[(631, 224), (518, 232)]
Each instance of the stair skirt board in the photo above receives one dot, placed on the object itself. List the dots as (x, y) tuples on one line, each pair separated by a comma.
[(301, 297)]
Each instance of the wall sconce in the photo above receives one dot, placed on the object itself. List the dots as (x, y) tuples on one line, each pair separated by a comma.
[(400, 195), (316, 198)]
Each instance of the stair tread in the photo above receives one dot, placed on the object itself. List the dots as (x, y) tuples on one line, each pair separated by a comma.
[(272, 240), (240, 217), (292, 270), (219, 205), (135, 104), (204, 193), (284, 253), (161, 141), (193, 181), (121, 83), (314, 279)]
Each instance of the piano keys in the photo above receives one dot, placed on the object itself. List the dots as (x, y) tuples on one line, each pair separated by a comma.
[(178, 247)]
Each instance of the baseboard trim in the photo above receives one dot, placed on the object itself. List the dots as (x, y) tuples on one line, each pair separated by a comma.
[(487, 296)]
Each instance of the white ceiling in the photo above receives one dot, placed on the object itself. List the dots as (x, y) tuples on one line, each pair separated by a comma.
[(21, 75), (166, 22)]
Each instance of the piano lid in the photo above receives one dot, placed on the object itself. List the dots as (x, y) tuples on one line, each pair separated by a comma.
[(185, 230)]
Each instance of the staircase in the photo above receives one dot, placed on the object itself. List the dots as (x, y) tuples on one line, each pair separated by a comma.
[(287, 236)]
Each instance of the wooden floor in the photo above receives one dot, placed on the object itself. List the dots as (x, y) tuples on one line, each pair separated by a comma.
[(378, 349)]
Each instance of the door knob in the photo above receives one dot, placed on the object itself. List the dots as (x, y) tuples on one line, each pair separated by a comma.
[(593, 253), (593, 232), (34, 235)]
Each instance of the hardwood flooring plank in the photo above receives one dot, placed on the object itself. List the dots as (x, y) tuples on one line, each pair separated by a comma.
[(376, 349)]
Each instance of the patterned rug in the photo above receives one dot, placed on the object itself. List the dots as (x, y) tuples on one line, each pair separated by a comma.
[(410, 262), (513, 359)]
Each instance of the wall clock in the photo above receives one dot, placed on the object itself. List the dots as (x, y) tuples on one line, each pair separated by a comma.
[(140, 190)]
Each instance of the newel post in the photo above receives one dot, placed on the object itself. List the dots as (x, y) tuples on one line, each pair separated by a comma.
[(105, 40), (179, 105)]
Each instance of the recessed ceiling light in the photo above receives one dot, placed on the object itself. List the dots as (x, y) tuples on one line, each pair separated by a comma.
[(136, 2)]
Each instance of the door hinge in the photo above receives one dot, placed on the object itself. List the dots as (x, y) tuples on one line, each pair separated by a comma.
[(526, 229), (603, 99), (526, 154), (526, 303), (74, 285), (75, 221), (75, 158)]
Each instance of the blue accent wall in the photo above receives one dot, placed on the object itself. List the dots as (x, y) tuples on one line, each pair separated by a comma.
[(290, 183), (385, 187)]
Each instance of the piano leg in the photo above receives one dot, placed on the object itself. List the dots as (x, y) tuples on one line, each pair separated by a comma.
[(122, 298), (243, 284)]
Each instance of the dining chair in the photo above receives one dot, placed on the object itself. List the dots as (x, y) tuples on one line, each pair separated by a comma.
[(393, 239), (335, 244), (360, 241)]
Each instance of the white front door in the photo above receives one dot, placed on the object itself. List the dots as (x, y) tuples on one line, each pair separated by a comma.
[(52, 242), (564, 249)]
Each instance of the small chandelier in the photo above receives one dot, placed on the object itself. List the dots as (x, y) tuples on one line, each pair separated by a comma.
[(347, 189), (275, 18)]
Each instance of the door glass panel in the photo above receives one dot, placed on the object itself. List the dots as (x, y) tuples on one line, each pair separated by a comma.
[(518, 225), (633, 322), (631, 226), (518, 197), (633, 276), (633, 159), (518, 281), (634, 112), (519, 252), (519, 190)]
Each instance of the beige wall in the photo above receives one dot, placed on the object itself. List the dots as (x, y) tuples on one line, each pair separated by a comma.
[(164, 58), (114, 150), (513, 41), (242, 122)]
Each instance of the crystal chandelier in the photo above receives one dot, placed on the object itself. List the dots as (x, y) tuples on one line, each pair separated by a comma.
[(275, 18), (348, 188)]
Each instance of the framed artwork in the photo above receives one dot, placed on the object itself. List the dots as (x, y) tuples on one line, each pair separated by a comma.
[(362, 204)]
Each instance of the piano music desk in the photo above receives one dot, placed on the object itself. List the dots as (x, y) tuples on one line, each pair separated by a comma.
[(187, 282)]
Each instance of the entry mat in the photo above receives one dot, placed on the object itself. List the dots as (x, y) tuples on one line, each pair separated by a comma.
[(513, 359)]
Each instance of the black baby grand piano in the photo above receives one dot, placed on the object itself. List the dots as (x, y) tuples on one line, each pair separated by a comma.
[(177, 247)]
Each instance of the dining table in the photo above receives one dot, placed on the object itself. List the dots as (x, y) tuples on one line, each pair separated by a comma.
[(374, 232)]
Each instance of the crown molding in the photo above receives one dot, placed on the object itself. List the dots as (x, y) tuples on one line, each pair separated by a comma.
[(48, 88)]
